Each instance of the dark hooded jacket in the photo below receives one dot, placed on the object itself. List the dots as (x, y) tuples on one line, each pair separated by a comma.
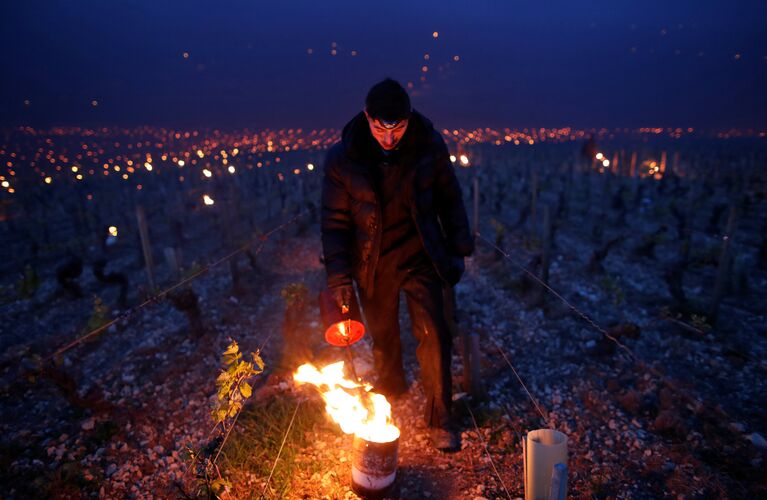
[(351, 209)]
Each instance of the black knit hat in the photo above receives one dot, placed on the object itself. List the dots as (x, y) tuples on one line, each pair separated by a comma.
[(388, 101)]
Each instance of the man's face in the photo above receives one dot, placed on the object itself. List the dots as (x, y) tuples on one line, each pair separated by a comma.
[(388, 138)]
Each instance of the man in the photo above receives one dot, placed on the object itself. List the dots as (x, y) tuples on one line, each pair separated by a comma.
[(393, 219)]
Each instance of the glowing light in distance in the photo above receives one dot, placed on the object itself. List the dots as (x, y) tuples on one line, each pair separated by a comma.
[(231, 169), (181, 163), (605, 162), (113, 230), (48, 180), (464, 160), (600, 156), (207, 200), (206, 172), (452, 158), (309, 166), (148, 166)]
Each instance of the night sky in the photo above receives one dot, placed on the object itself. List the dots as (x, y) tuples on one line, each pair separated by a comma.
[(685, 63)]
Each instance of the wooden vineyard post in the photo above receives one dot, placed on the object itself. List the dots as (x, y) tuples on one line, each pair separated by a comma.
[(231, 240), (145, 245), (476, 386), (688, 223), (545, 255), (461, 336), (634, 179), (475, 185), (723, 270), (171, 257), (633, 166), (586, 183), (606, 190), (270, 198), (533, 198), (675, 162), (622, 165)]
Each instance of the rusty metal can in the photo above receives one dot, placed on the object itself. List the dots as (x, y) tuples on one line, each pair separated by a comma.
[(374, 467), (343, 328)]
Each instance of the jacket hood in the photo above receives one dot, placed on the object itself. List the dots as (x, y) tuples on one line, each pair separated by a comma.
[(359, 143)]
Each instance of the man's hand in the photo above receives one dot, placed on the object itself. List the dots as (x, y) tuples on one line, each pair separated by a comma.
[(343, 297)]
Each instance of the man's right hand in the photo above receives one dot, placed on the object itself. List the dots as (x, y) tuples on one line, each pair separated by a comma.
[(343, 297)]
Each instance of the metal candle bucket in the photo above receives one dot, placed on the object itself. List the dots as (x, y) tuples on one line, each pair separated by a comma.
[(342, 328), (374, 467)]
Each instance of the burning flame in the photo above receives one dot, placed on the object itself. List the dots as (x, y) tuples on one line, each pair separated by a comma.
[(369, 420)]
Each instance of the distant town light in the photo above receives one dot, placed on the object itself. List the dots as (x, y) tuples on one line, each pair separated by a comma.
[(207, 200)]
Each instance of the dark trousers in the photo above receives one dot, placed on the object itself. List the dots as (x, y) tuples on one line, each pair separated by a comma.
[(425, 301)]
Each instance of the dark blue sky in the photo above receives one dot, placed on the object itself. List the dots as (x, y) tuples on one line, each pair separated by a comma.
[(521, 64)]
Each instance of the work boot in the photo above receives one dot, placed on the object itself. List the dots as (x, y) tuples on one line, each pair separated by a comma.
[(445, 440)]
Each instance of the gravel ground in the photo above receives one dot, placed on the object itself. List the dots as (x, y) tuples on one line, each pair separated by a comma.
[(143, 391)]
